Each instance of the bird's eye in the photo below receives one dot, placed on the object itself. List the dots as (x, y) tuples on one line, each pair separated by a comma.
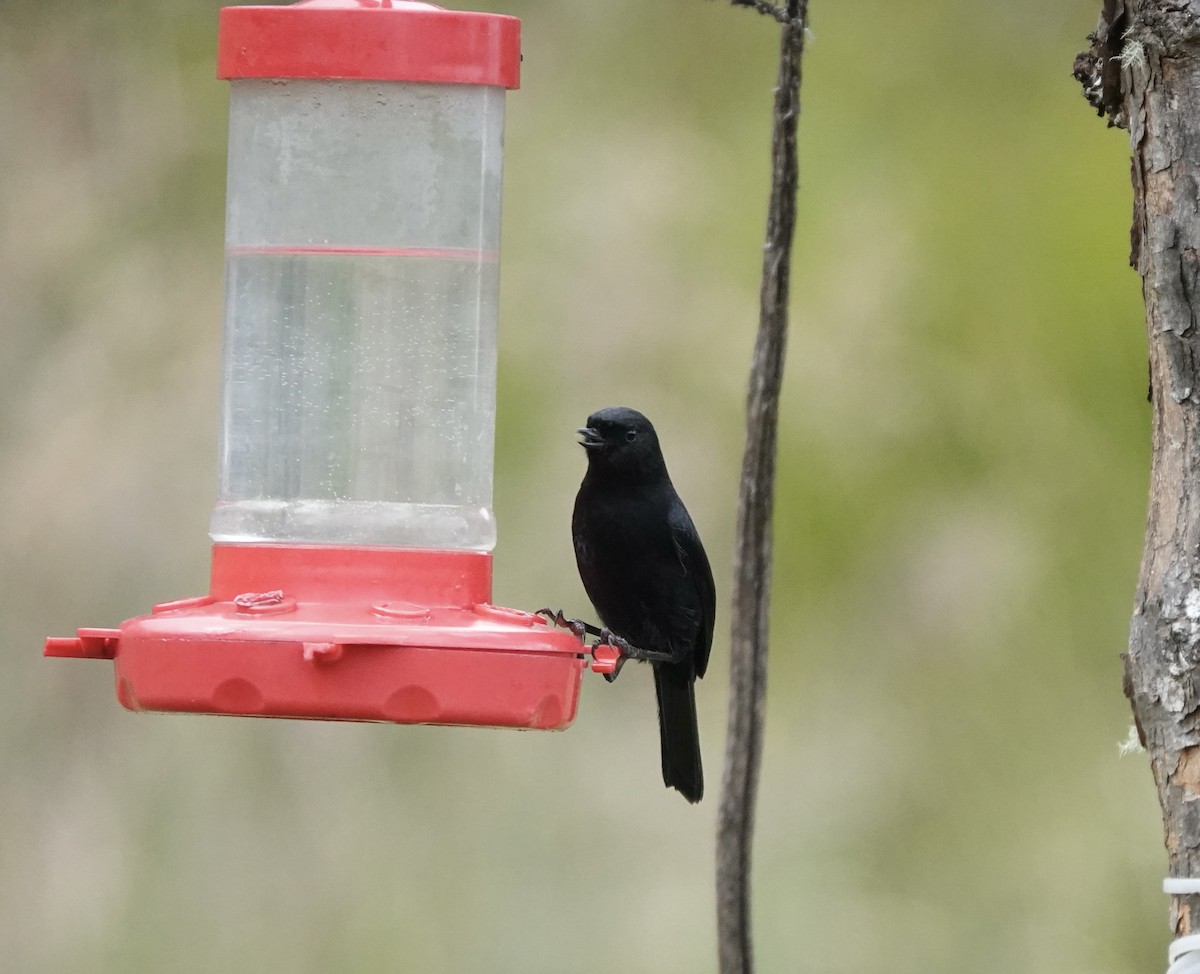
[(630, 436)]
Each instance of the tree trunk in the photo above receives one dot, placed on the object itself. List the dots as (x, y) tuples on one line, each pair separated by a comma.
[(1143, 71)]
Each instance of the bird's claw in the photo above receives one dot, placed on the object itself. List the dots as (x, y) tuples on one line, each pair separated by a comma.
[(606, 660), (610, 652), (556, 618), (623, 646)]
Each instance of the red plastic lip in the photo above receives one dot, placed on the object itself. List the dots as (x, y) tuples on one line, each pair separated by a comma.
[(352, 575), (407, 636), (379, 40)]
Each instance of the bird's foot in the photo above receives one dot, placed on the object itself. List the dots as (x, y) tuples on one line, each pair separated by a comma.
[(576, 626), (630, 651)]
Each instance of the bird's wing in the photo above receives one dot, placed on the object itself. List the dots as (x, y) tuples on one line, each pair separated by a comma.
[(695, 564)]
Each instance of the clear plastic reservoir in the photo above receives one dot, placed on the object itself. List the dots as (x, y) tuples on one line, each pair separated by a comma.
[(362, 260)]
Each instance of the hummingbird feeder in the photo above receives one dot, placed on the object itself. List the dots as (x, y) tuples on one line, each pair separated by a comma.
[(352, 534)]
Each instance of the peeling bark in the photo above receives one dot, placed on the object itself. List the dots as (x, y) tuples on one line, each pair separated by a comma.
[(1143, 71)]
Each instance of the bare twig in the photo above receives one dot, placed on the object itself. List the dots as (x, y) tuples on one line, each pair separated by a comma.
[(765, 7), (752, 551)]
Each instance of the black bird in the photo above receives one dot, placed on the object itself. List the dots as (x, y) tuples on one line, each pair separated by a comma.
[(646, 573)]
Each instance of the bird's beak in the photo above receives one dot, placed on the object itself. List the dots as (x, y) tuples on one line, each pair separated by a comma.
[(589, 438)]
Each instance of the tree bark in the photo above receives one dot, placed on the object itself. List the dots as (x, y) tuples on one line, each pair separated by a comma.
[(1143, 71)]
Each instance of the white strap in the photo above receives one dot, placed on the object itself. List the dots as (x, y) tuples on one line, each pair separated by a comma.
[(1184, 953)]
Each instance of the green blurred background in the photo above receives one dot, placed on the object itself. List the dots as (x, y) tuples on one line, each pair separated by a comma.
[(962, 487)]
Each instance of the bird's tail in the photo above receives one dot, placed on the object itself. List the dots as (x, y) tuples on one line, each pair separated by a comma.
[(681, 768)]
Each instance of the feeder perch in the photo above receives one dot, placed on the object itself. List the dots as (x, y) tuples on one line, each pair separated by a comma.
[(352, 534)]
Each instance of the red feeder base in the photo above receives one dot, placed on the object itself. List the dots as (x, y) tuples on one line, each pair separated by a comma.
[(383, 634)]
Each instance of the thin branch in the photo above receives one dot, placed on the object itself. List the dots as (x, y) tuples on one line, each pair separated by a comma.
[(752, 550), (767, 8)]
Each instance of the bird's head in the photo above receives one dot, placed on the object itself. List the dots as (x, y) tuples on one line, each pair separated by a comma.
[(622, 441)]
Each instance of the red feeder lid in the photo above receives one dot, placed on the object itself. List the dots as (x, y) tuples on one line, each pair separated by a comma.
[(378, 40)]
